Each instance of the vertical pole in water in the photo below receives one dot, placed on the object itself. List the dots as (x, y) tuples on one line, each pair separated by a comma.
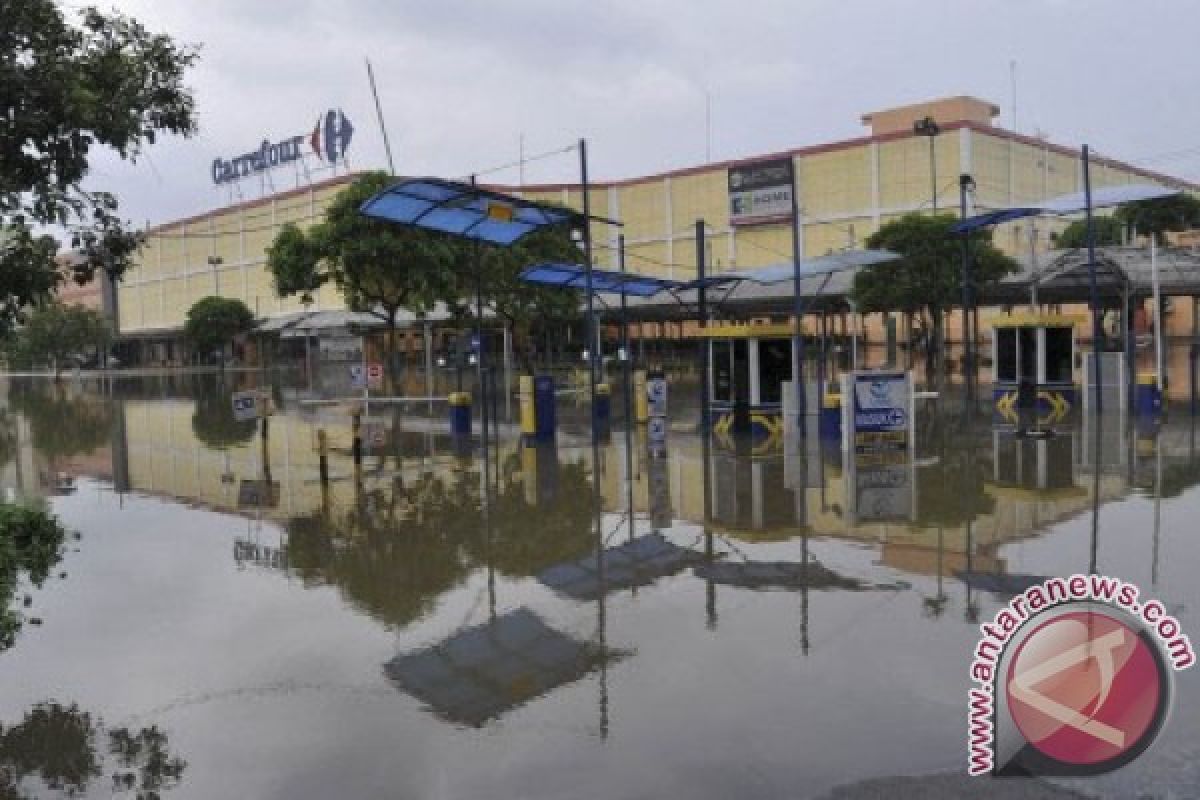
[(797, 312), (592, 339), (702, 297), (428, 330), (627, 376), (480, 368), (964, 182), (1159, 365), (1093, 289), (1194, 352)]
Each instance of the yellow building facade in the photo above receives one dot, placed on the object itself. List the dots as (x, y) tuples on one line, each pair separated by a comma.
[(845, 191)]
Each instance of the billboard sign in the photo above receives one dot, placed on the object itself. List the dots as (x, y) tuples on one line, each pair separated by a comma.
[(877, 417), (328, 141), (761, 192)]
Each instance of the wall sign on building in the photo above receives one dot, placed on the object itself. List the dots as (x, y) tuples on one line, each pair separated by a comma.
[(761, 192), (328, 141)]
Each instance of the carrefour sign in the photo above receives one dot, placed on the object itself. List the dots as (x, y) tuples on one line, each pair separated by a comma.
[(328, 140)]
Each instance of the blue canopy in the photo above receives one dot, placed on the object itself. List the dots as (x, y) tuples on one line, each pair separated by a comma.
[(463, 209), (574, 276), (1068, 204)]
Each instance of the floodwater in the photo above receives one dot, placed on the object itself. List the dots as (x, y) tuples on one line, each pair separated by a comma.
[(441, 625)]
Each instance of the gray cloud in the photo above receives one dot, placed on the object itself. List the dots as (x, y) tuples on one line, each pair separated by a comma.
[(462, 80)]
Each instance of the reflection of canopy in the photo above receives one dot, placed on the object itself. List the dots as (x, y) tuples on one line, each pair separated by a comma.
[(638, 562), (780, 575), (485, 671), (996, 583), (462, 209)]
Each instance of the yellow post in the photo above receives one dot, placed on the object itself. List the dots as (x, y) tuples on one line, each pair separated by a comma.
[(528, 416), (640, 403)]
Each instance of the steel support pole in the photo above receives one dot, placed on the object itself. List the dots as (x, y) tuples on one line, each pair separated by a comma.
[(702, 298), (1093, 288), (798, 312), (592, 339), (965, 182)]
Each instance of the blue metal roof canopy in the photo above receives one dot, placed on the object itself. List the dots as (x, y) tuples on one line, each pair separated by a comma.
[(609, 282), (463, 209), (1067, 204)]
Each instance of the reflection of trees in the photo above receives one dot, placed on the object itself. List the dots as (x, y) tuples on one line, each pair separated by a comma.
[(8, 438), (63, 424), (400, 547), (526, 539), (213, 421), (57, 745), (30, 544), (397, 551), (952, 492)]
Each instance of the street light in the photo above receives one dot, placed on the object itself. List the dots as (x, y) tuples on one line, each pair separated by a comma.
[(215, 262), (928, 127)]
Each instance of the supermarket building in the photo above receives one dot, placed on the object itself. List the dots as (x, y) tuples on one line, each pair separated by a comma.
[(845, 191)]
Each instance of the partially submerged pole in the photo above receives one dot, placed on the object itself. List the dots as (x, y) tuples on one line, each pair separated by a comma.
[(592, 339), (964, 183), (702, 297), (1159, 365), (1094, 290), (798, 311)]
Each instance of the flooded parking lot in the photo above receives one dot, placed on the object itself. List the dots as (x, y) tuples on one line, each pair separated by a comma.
[(450, 622)]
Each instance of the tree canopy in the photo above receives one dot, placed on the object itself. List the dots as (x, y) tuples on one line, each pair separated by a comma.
[(55, 334), (68, 88), (1107, 231), (213, 322), (380, 268), (1179, 212), (929, 276)]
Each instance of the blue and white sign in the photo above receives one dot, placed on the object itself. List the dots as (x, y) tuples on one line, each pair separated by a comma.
[(656, 395), (877, 415), (250, 405)]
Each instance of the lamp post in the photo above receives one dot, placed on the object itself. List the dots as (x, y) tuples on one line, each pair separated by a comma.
[(965, 184), (215, 262), (929, 128)]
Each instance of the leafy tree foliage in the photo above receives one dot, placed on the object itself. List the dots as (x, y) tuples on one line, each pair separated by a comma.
[(1108, 231), (379, 268), (928, 279), (55, 334), (213, 322), (68, 88), (1179, 212)]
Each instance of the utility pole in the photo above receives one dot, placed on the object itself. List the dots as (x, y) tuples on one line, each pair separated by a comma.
[(929, 128)]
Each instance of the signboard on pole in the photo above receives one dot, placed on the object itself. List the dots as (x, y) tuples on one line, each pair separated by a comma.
[(366, 376), (877, 440), (761, 192), (656, 394), (251, 405)]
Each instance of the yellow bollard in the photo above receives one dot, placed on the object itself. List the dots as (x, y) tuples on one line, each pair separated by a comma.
[(528, 414), (640, 403)]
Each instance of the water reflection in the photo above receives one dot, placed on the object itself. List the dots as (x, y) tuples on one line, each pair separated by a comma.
[(63, 749), (783, 565)]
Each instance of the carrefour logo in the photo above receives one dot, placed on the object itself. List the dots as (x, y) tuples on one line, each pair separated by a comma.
[(331, 136), (329, 140)]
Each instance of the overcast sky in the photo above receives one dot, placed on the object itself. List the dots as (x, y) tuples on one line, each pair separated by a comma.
[(462, 80)]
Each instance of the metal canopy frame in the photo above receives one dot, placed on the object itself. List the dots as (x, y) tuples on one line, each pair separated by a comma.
[(464, 209), (1074, 203)]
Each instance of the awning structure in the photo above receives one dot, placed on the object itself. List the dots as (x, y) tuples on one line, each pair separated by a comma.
[(1073, 203), (820, 265), (574, 276), (463, 209), (638, 562), (482, 672), (1062, 276)]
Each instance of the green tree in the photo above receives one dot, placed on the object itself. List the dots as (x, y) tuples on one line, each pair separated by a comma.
[(928, 278), (530, 310), (1179, 212), (213, 422), (1108, 231), (380, 268), (213, 322), (55, 334), (67, 89)]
